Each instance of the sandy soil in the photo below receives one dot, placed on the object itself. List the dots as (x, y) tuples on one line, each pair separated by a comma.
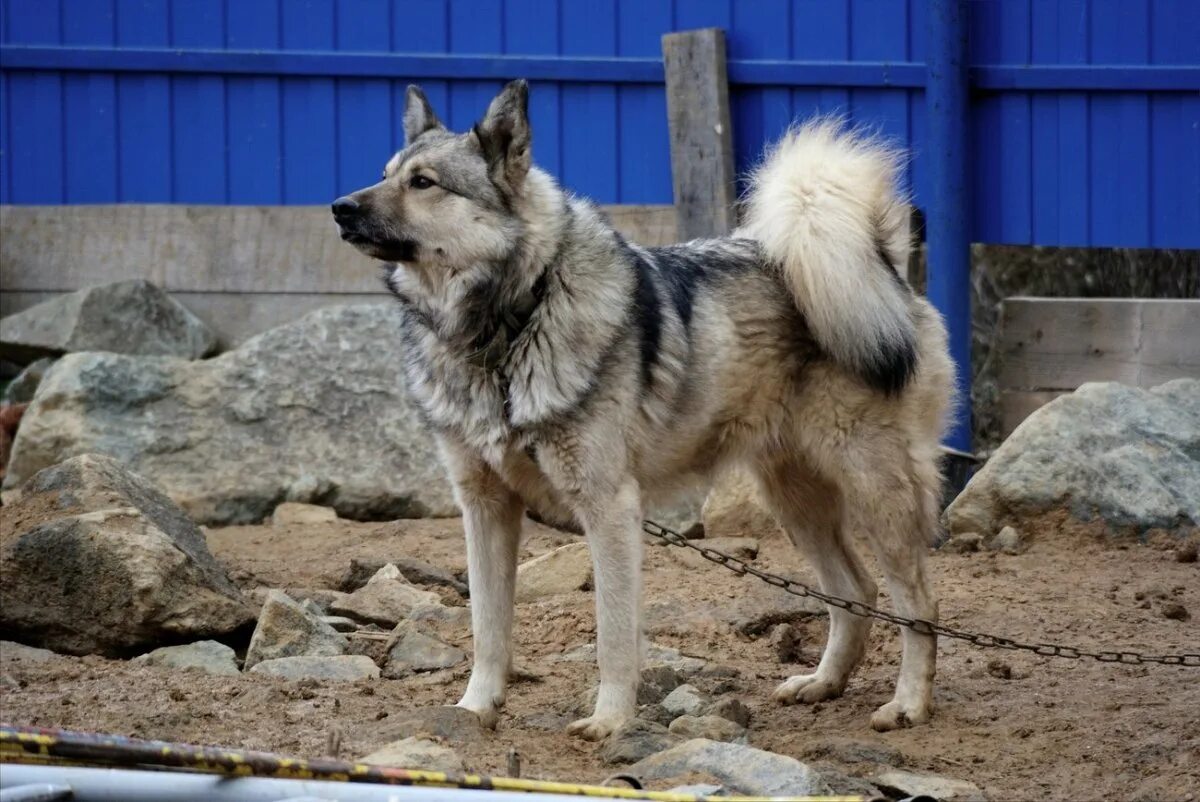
[(1019, 726)]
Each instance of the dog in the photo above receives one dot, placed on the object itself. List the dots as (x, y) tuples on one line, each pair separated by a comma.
[(565, 370)]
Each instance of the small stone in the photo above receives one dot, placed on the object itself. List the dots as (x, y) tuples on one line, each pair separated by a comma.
[(656, 683), (1175, 611), (634, 740), (566, 569), (294, 513), (441, 614), (656, 713), (1008, 541), (340, 623), (912, 784), (312, 607), (386, 599), (685, 700), (730, 708), (965, 543), (10, 650), (415, 753), (785, 642), (287, 629), (739, 768), (714, 728), (410, 651), (449, 723), (999, 669), (1186, 553), (413, 570), (343, 668), (206, 655)]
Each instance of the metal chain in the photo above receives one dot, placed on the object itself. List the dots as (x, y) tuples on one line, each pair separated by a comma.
[(796, 588)]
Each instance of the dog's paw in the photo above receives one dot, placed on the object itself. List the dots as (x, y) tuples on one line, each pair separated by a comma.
[(489, 717), (807, 689), (896, 715), (595, 728)]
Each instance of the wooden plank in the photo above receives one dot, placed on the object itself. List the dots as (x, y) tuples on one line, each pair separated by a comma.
[(266, 249), (1059, 344), (1017, 405), (702, 170)]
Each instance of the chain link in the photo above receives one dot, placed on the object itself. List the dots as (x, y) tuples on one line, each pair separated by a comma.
[(981, 639)]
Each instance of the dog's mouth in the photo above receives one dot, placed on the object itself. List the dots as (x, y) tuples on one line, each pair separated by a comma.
[(387, 250)]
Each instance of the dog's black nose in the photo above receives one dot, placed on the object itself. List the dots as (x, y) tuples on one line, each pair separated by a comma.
[(345, 207)]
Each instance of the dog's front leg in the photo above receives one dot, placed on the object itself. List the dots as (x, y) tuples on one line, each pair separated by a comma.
[(612, 523), (492, 520)]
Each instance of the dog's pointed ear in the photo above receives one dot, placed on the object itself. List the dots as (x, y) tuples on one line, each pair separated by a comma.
[(418, 114), (505, 136)]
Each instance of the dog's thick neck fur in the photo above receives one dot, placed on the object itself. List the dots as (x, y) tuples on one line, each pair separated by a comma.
[(480, 337)]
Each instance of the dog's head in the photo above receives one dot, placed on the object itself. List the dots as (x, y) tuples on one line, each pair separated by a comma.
[(446, 199)]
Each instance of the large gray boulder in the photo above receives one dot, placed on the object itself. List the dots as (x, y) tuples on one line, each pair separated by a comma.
[(314, 411), (1120, 456), (127, 317), (96, 559)]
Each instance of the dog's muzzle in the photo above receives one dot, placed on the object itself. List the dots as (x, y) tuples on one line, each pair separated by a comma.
[(354, 228)]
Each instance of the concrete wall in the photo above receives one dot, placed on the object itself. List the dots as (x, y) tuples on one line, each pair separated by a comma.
[(241, 269)]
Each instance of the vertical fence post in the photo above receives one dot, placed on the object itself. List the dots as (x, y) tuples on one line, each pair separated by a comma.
[(701, 135), (948, 219)]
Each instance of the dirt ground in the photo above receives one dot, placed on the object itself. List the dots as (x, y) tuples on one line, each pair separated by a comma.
[(1017, 725)]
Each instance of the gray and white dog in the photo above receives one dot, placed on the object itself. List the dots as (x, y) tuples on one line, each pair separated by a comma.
[(566, 370)]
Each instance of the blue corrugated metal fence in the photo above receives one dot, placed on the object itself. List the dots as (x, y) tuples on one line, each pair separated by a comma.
[(1085, 116)]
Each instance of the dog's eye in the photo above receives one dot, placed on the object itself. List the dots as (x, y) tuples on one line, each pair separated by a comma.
[(420, 182)]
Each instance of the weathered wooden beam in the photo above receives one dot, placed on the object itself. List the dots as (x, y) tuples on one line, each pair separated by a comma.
[(701, 134), (1049, 346)]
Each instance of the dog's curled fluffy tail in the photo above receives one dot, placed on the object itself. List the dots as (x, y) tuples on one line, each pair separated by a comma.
[(825, 207)]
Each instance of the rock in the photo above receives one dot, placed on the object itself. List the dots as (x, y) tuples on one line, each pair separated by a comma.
[(11, 650), (944, 789), (965, 543), (1008, 540), (416, 753), (454, 724), (686, 700), (286, 629), (1186, 553), (340, 623), (714, 728), (415, 571), (1175, 611), (294, 513), (1125, 458), (655, 712), (699, 789), (656, 682), (734, 509), (440, 614), (752, 614), (97, 559), (730, 708), (409, 651), (126, 317), (313, 411), (386, 599), (206, 655), (741, 769), (22, 389), (634, 740), (563, 570), (340, 668), (787, 642), (656, 655)]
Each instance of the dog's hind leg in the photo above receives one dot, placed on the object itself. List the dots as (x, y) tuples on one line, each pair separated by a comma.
[(492, 520), (897, 510), (810, 511)]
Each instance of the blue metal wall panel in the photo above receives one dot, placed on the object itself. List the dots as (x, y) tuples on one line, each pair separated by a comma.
[(1051, 164)]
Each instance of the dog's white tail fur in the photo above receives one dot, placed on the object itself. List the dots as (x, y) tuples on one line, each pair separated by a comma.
[(825, 206)]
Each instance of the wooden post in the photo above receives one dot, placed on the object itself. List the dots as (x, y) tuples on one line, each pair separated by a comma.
[(701, 135)]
